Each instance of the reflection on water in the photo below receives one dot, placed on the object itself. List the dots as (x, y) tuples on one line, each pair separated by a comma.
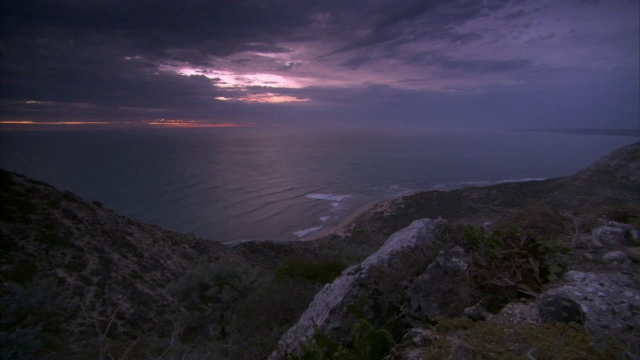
[(235, 184)]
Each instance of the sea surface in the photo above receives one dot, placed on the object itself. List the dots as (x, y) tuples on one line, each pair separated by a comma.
[(233, 185)]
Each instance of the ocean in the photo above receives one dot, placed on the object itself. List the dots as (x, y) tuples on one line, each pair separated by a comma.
[(233, 185)]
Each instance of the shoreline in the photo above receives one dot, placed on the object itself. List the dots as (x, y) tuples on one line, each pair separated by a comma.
[(343, 227)]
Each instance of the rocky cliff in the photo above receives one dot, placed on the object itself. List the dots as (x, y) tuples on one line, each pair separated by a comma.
[(328, 312), (551, 268)]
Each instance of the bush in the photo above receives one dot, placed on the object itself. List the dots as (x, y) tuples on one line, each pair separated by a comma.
[(623, 213), (317, 271), (35, 319), (208, 295), (537, 220), (503, 340), (367, 343), (265, 314), (505, 263)]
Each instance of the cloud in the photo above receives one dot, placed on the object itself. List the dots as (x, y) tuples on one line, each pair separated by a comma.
[(482, 66), (396, 23), (515, 15), (348, 60)]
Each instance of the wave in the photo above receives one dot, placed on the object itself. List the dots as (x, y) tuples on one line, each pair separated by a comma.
[(304, 232)]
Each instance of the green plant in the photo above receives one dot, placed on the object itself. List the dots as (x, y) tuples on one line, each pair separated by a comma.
[(623, 213), (536, 220), (314, 270), (366, 342), (34, 318), (505, 340), (505, 263), (208, 295), (265, 314)]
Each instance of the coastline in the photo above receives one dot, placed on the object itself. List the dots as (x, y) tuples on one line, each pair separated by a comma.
[(343, 227)]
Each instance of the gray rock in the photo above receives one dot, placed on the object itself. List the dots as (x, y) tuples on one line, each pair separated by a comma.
[(633, 253), (328, 310), (560, 309), (617, 256), (611, 233), (412, 345), (477, 312), (443, 288), (610, 301), (517, 312)]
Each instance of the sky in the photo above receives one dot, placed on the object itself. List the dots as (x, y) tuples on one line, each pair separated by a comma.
[(379, 64)]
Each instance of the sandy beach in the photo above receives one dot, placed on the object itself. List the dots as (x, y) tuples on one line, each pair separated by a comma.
[(344, 226)]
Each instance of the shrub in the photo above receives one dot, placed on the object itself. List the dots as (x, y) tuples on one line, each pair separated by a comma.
[(537, 220), (35, 318), (505, 263), (208, 294), (623, 213), (504, 340), (22, 271), (317, 271), (265, 314), (367, 343)]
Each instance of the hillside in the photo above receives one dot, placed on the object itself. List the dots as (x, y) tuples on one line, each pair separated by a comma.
[(75, 274), (80, 281)]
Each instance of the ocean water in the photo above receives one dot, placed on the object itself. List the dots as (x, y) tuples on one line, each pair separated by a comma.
[(233, 185)]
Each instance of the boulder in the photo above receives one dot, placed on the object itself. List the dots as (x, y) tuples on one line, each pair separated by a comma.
[(560, 309), (612, 233), (617, 256), (328, 312), (517, 312), (609, 300), (443, 288)]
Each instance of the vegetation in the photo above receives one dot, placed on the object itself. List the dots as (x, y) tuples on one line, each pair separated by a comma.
[(367, 342), (505, 340), (320, 270)]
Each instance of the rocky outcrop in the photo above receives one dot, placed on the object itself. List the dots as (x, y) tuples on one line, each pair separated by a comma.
[(442, 289), (328, 311), (609, 300), (613, 233)]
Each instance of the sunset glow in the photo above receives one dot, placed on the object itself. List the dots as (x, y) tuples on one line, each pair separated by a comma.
[(272, 98), (500, 64), (193, 124), (231, 79), (28, 122)]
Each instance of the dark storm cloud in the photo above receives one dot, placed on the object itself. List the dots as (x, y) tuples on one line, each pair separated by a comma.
[(356, 61), (515, 15), (396, 23), (352, 61), (157, 25), (470, 66), (91, 74)]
